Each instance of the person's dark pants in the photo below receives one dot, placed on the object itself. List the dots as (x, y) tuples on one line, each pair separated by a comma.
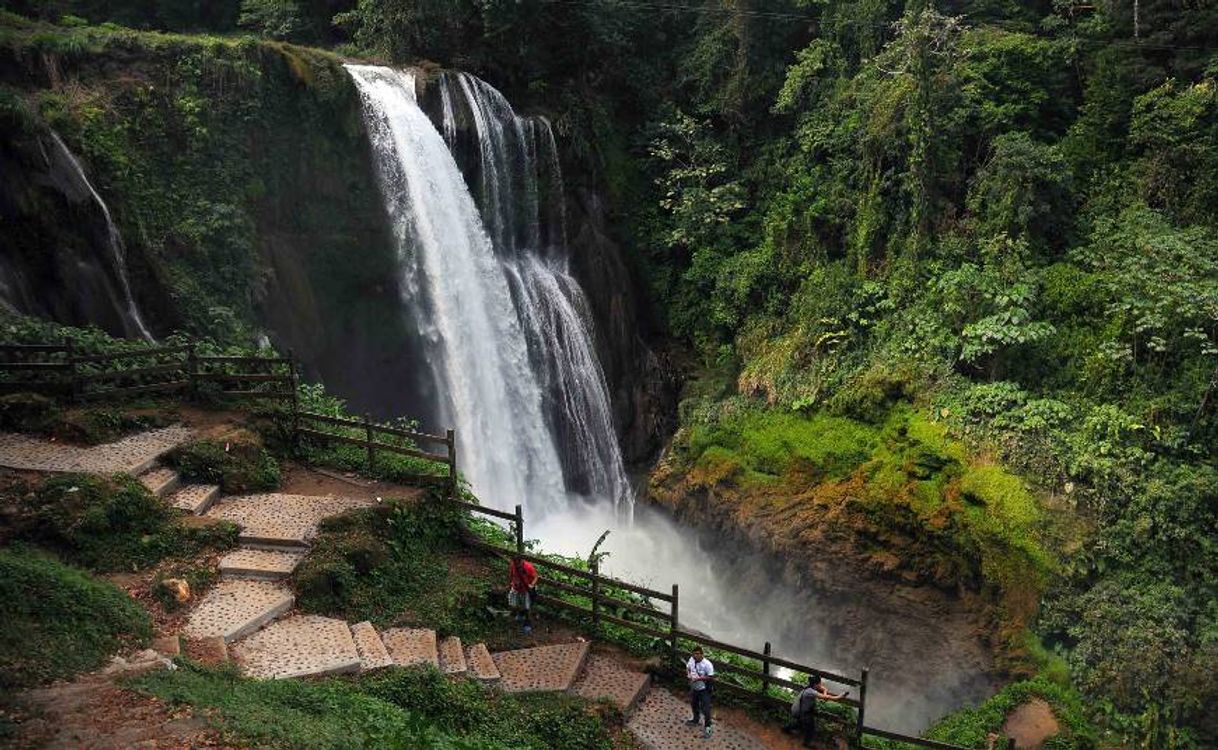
[(806, 726), (700, 701)]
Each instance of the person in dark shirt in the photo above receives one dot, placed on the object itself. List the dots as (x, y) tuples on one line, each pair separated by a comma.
[(803, 708)]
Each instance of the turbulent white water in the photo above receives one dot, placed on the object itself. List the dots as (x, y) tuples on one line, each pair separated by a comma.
[(132, 320), (475, 200)]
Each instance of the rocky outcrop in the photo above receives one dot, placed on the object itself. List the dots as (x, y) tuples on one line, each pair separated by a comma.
[(643, 380)]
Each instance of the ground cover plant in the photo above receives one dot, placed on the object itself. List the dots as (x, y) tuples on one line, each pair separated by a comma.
[(59, 620)]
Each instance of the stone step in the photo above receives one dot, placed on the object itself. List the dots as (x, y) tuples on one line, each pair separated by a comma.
[(541, 669), (659, 724), (161, 480), (372, 652), (481, 666), (134, 454), (265, 564), (236, 607), (605, 678), (195, 499), (452, 656), (299, 646), (410, 646), (282, 520)]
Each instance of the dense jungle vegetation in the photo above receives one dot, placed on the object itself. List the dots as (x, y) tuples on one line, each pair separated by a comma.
[(989, 219)]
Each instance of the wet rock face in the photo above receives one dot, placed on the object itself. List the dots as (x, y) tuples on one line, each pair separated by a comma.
[(643, 382)]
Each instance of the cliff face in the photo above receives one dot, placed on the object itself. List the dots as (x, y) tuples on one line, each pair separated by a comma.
[(643, 380)]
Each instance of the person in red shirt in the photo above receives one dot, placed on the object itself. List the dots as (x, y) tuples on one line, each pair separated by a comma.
[(520, 596)]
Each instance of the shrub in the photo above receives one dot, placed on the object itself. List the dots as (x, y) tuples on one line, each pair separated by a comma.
[(238, 463), (58, 621), (109, 524)]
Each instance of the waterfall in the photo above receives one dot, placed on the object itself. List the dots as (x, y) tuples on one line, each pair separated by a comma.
[(132, 321), (505, 327)]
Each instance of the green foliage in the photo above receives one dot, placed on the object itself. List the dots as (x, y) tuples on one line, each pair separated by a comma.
[(58, 621), (239, 464), (108, 524), (327, 715), (969, 727), (392, 565), (465, 709), (277, 19)]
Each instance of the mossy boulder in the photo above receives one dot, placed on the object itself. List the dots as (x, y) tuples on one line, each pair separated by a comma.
[(237, 462)]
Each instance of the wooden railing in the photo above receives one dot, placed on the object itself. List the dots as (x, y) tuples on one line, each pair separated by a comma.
[(61, 371)]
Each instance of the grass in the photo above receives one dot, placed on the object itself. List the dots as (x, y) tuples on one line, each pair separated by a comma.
[(106, 524), (239, 463), (58, 621), (394, 565), (968, 727), (397, 708)]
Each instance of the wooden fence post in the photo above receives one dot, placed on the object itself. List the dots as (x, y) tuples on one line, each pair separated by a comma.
[(858, 732), (294, 384), (672, 629), (192, 370), (596, 594), (73, 380), (368, 437), (519, 530), (765, 670), (451, 438)]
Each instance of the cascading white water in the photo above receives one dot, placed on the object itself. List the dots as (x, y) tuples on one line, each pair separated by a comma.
[(506, 327), (475, 342), (132, 320), (508, 338)]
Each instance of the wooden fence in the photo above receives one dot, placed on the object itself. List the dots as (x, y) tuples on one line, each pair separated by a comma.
[(60, 371)]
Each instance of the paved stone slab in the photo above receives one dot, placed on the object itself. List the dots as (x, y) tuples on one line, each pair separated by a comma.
[(481, 665), (544, 668), (161, 480), (134, 454), (237, 607), (659, 724), (285, 520), (605, 678), (411, 646), (195, 499), (452, 656), (371, 649), (267, 564), (299, 646)]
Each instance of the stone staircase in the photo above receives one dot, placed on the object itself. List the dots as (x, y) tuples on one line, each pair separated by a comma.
[(248, 614)]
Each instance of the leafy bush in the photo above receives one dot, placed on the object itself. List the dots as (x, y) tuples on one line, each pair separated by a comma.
[(238, 463), (109, 524), (58, 621), (390, 565), (27, 412), (327, 715), (969, 727)]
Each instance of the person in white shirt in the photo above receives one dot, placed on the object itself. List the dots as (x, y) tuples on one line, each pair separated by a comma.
[(701, 674)]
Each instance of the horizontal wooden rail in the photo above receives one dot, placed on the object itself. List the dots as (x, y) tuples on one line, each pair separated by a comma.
[(89, 377), (919, 741), (172, 386), (160, 351), (205, 359), (259, 394), (244, 377), (554, 583), (35, 365), (642, 609), (339, 421), (411, 434), (24, 348), (706, 641), (483, 509), (759, 675), (636, 626)]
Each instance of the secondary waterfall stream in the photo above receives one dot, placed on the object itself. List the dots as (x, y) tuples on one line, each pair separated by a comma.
[(475, 202)]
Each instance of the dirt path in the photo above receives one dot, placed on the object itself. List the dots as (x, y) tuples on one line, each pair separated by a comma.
[(92, 713)]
